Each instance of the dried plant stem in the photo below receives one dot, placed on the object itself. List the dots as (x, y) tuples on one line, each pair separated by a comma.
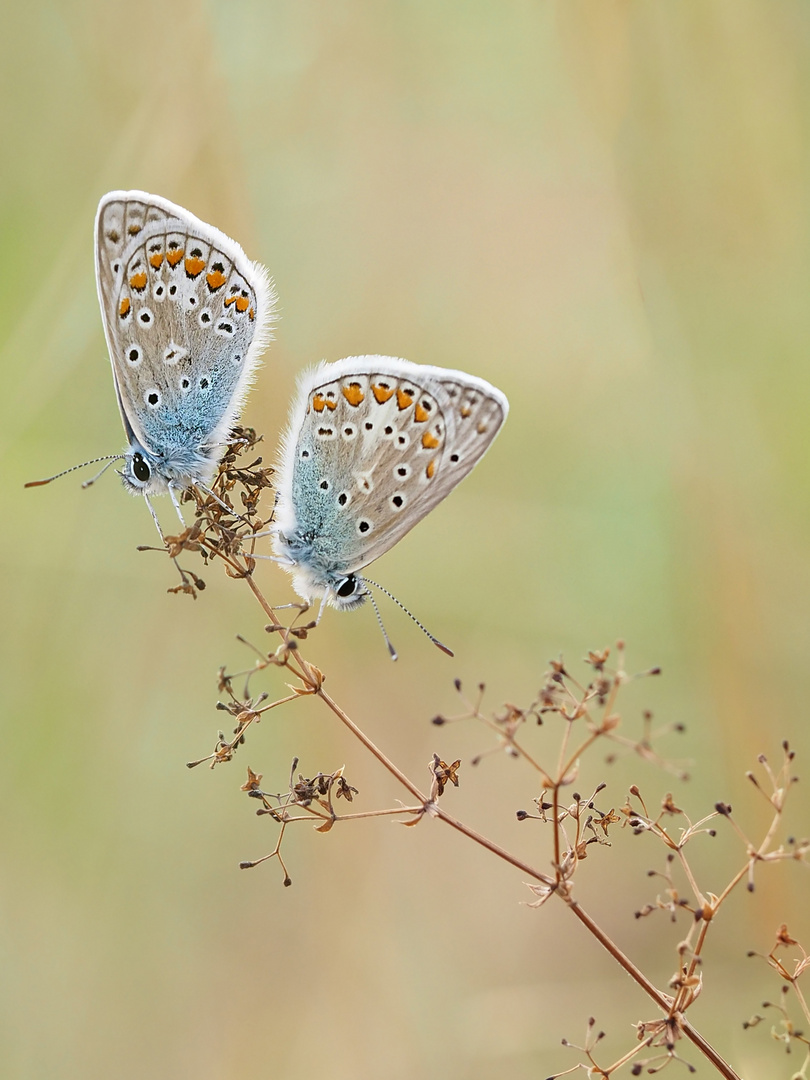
[(661, 1000), (555, 796), (391, 811), (383, 759), (802, 999), (510, 740), (265, 606), (690, 877), (426, 806)]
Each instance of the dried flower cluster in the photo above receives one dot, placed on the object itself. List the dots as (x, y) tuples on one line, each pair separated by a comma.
[(584, 715)]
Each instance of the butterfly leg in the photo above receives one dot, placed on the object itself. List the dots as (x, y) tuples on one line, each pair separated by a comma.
[(176, 505), (155, 519), (180, 570), (320, 609), (270, 532), (224, 505)]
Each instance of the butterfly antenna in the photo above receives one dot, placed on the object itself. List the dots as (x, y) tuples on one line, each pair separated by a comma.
[(100, 473), (109, 458), (368, 593), (399, 603)]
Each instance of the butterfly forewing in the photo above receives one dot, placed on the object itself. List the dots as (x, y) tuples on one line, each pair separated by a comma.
[(379, 446), (186, 315)]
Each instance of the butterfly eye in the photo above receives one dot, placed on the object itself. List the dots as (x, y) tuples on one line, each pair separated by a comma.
[(347, 586), (140, 468)]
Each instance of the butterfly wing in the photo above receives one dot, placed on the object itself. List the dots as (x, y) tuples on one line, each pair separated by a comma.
[(186, 316), (374, 444)]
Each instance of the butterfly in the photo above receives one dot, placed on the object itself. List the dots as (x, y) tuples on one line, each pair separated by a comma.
[(373, 444), (186, 315)]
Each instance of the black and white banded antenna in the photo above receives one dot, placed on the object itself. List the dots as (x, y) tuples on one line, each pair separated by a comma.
[(425, 631), (109, 458), (391, 648)]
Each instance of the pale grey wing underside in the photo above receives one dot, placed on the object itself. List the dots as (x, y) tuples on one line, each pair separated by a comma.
[(389, 445), (186, 315)]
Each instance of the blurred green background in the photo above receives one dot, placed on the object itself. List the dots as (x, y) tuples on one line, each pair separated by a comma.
[(603, 208)]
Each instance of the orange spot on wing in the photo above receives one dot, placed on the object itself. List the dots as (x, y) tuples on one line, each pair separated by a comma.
[(430, 442), (353, 394), (319, 403), (138, 281), (382, 393), (194, 266), (420, 415), (481, 429), (174, 255), (466, 411), (241, 302), (133, 230), (404, 399), (215, 280), (156, 259), (123, 310), (431, 469), (251, 314)]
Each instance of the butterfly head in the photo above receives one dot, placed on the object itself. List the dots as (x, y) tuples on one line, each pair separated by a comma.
[(152, 472), (137, 472), (340, 590), (347, 593), (141, 472)]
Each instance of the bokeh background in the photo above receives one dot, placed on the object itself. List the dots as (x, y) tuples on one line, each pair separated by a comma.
[(600, 206)]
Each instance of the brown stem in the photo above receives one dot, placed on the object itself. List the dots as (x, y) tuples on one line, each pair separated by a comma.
[(800, 996), (490, 845), (661, 1000), (265, 606), (383, 759), (634, 972)]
